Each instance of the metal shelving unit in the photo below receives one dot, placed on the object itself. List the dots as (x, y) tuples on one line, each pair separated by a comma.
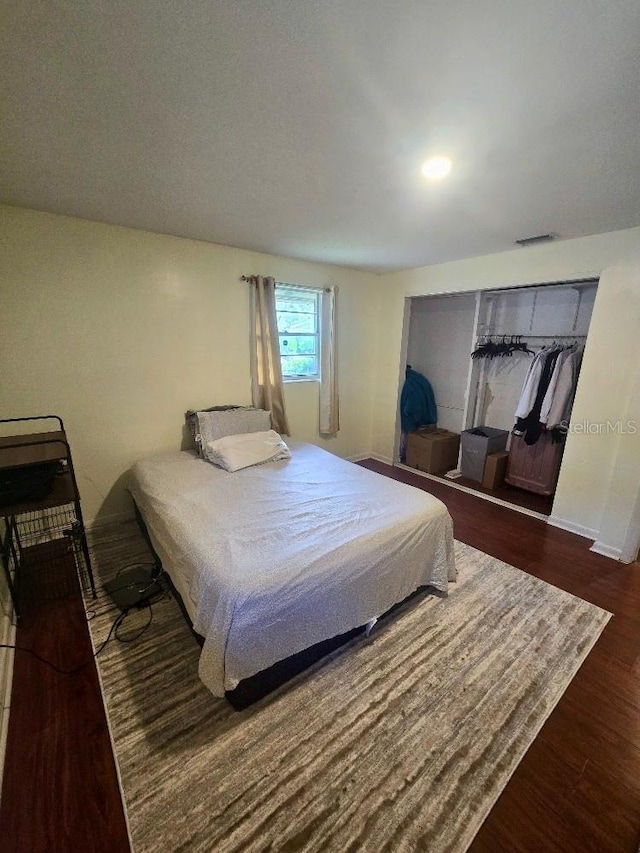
[(43, 548)]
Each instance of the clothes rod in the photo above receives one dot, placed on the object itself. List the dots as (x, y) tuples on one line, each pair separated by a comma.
[(578, 284), (527, 336)]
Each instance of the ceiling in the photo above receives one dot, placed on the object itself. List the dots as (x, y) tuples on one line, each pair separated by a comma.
[(298, 127)]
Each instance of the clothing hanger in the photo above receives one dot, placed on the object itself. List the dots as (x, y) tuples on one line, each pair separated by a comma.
[(504, 347)]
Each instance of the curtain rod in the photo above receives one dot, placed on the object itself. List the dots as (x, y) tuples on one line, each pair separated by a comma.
[(286, 284)]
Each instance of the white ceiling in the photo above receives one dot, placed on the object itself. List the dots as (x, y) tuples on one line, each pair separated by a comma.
[(298, 127)]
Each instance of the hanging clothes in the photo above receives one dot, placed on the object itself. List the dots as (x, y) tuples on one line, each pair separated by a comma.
[(530, 387), (530, 426), (417, 402), (559, 407), (547, 393), (553, 385)]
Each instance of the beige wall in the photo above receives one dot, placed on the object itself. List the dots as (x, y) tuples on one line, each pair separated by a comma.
[(612, 394), (120, 331), (594, 492)]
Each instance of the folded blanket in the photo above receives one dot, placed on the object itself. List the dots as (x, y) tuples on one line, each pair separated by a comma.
[(234, 452)]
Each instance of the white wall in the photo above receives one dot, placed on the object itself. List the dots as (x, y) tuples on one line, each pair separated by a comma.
[(440, 335), (593, 466), (121, 331)]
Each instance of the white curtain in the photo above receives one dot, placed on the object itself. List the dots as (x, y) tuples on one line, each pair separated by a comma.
[(267, 389), (329, 406)]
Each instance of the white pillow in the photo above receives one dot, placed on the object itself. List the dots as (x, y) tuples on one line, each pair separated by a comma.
[(234, 452)]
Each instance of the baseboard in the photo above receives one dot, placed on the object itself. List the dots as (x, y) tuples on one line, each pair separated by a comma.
[(606, 550), (572, 527), (379, 458), (8, 637), (360, 457)]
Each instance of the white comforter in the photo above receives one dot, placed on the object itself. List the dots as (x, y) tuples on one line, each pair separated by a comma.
[(274, 558)]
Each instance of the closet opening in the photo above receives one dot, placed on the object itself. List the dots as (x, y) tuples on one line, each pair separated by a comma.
[(487, 388)]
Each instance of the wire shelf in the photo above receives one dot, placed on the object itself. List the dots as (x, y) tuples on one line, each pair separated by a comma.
[(45, 554)]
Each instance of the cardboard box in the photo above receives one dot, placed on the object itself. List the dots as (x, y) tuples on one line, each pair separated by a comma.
[(477, 444), (433, 450), (494, 469)]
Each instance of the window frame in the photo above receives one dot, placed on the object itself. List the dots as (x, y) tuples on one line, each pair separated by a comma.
[(316, 292)]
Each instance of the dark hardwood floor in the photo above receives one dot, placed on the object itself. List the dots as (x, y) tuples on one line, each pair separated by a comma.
[(577, 788), (511, 494), (60, 790)]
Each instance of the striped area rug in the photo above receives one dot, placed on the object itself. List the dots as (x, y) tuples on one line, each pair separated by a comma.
[(401, 741)]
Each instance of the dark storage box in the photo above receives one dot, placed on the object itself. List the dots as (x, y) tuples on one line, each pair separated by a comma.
[(433, 450), (494, 469), (477, 444)]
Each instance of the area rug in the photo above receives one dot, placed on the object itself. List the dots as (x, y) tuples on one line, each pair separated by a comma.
[(401, 741)]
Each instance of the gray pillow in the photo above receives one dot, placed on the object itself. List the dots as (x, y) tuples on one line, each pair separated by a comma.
[(212, 425), (191, 419)]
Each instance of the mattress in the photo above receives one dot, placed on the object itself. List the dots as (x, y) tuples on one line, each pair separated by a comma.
[(274, 558)]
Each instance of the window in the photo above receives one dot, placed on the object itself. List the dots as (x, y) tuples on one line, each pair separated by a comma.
[(298, 312)]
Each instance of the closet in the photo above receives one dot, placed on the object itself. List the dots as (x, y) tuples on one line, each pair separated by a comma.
[(441, 336), (506, 331)]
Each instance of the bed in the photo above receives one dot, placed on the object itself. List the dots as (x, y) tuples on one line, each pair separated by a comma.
[(275, 558)]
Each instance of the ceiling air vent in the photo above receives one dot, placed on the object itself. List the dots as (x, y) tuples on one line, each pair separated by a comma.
[(531, 241)]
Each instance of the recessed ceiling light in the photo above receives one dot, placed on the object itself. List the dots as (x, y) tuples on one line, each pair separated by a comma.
[(436, 167)]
